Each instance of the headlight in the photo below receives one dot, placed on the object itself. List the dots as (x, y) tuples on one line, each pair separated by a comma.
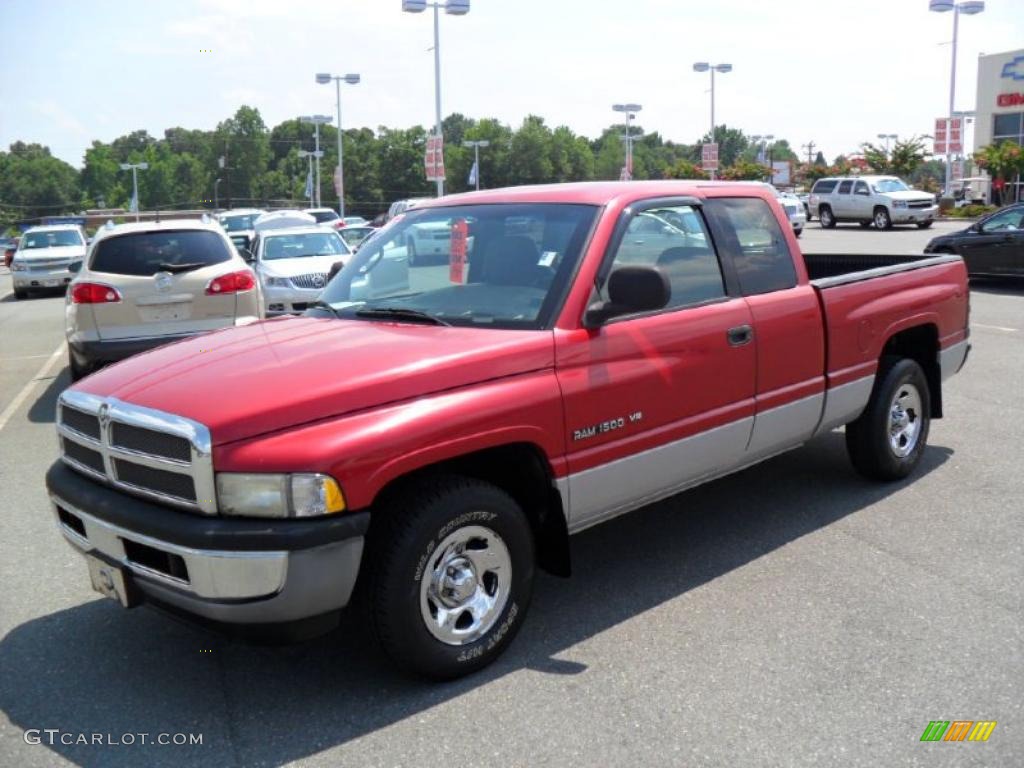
[(899, 203), (277, 282), (18, 266), (278, 495)]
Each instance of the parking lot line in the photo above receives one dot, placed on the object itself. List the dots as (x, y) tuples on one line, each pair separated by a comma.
[(27, 389), (995, 327)]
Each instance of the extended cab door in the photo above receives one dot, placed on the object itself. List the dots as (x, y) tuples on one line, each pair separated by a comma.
[(786, 317), (862, 203), (658, 400)]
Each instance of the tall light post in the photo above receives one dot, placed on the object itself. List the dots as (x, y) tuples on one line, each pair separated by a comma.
[(968, 8), (630, 110), (317, 154), (703, 66), (761, 141), (476, 158), (452, 8), (216, 204), (317, 121), (135, 168), (323, 78), (887, 137)]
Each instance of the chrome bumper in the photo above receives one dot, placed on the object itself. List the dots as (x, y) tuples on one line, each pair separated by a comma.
[(908, 215), (249, 587)]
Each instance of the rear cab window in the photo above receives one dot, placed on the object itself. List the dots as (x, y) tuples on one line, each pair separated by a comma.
[(754, 238), (146, 253)]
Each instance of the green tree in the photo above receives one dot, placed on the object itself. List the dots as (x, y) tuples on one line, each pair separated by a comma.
[(33, 183), (531, 153), (246, 144), (907, 156), (744, 170), (684, 169)]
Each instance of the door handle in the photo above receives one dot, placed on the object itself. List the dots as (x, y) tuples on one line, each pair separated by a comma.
[(740, 335)]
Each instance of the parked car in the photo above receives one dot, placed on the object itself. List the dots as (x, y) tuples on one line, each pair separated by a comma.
[(145, 284), (355, 221), (991, 247), (238, 223), (282, 219), (401, 206), (9, 246), (326, 216), (794, 210), (879, 200), (443, 438), (44, 257), (355, 234), (292, 265)]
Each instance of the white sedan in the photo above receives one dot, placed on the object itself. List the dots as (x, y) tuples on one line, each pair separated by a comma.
[(293, 265)]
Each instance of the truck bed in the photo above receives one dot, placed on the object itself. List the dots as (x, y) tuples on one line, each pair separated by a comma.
[(830, 269)]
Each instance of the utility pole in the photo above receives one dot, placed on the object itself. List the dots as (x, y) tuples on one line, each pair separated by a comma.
[(809, 146)]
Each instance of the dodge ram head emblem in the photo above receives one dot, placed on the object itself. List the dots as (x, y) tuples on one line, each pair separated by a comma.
[(163, 281), (103, 414)]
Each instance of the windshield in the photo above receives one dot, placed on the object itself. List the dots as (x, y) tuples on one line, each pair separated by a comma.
[(499, 266), (355, 235), (303, 244), (322, 216), (890, 185), (54, 238), (146, 253), (240, 222)]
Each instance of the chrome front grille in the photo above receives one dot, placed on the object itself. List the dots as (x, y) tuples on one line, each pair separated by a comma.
[(313, 281), (138, 450), (920, 204), (35, 265)]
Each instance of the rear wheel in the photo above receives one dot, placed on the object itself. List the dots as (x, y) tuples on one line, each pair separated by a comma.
[(887, 440), (77, 370), (828, 221), (882, 218), (450, 575)]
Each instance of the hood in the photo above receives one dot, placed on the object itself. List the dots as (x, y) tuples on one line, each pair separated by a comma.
[(254, 379), (59, 252), (300, 265), (908, 195)]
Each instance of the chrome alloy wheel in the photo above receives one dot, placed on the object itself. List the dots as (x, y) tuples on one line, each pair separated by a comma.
[(905, 420), (466, 585)]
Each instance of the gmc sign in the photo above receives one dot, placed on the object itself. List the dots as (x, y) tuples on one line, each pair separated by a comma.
[(1010, 99)]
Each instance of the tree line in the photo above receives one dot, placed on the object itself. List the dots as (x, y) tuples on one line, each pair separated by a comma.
[(261, 166)]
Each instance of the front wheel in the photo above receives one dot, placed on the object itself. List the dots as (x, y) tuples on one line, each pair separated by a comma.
[(887, 440), (882, 219), (828, 221), (923, 224), (20, 294), (450, 576)]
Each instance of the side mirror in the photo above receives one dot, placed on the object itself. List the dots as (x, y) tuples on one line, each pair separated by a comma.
[(630, 289), (75, 267)]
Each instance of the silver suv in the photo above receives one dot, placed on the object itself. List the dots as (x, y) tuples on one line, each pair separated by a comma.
[(143, 285), (44, 257), (879, 200)]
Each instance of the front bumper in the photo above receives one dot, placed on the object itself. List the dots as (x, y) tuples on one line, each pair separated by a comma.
[(285, 301), (913, 215), (223, 570), (41, 279)]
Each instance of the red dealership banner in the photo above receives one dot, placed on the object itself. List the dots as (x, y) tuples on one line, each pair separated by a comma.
[(457, 251), (433, 160)]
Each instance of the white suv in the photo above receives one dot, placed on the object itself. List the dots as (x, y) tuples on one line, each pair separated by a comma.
[(143, 285), (879, 200), (44, 258)]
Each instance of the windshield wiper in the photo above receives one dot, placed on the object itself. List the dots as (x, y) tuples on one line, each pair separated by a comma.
[(321, 304), (400, 313), (176, 268)]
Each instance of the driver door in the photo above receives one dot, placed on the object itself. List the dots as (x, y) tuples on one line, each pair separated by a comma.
[(998, 248)]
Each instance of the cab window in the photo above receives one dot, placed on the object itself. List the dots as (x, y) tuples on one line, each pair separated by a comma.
[(675, 240), (755, 239), (844, 187)]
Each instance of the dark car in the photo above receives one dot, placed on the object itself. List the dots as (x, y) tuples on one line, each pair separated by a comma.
[(991, 247)]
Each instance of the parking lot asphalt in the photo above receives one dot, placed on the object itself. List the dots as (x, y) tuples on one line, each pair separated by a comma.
[(792, 614)]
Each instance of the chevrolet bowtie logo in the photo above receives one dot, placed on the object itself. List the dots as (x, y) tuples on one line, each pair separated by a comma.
[(1014, 69)]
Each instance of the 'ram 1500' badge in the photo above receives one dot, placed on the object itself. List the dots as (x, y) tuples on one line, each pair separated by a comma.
[(607, 426)]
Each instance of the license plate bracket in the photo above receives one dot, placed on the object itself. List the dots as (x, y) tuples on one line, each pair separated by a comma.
[(112, 581)]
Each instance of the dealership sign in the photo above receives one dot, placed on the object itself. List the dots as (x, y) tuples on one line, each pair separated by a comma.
[(1010, 99), (950, 140)]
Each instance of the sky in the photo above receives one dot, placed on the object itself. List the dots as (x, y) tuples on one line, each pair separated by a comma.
[(836, 72)]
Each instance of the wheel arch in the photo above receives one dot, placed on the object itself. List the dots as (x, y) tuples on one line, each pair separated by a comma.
[(921, 344), (523, 471)]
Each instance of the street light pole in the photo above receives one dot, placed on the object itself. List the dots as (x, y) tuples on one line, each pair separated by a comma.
[(317, 121), (323, 78), (134, 168), (476, 157), (317, 154), (703, 66), (630, 110), (970, 8), (452, 8), (216, 203), (888, 136)]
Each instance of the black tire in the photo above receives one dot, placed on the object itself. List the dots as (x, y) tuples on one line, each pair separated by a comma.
[(807, 212), (20, 294), (865, 224), (881, 218), (828, 221), (797, 232), (869, 440), (416, 522), (75, 370), (923, 224)]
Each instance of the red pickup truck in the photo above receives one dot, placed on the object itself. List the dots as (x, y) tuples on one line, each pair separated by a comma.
[(427, 436)]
